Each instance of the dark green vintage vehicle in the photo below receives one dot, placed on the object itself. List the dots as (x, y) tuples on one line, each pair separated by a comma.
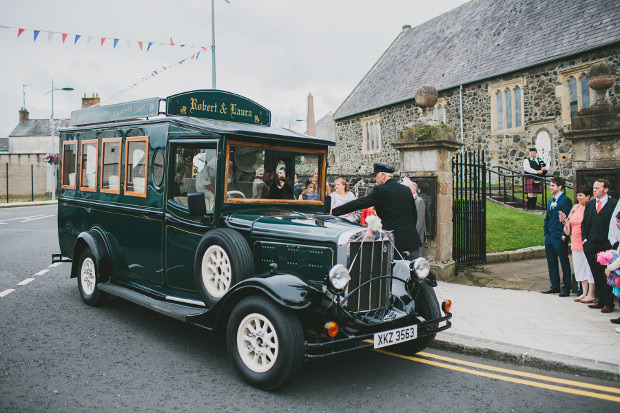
[(192, 215)]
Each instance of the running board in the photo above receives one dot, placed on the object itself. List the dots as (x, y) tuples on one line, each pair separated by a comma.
[(177, 311)]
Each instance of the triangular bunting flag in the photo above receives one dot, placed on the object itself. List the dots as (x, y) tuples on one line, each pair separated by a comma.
[(150, 44), (204, 48), (128, 44), (89, 39), (20, 31), (77, 37), (171, 42), (49, 36), (36, 34), (197, 54), (181, 62), (64, 37), (192, 57), (140, 44), (115, 42), (102, 40)]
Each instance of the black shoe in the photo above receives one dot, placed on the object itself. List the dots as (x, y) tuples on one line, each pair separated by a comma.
[(551, 291), (615, 320), (564, 294)]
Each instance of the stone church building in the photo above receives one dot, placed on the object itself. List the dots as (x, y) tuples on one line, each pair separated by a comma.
[(510, 75)]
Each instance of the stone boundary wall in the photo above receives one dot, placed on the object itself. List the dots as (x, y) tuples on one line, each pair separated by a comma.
[(20, 181), (542, 109)]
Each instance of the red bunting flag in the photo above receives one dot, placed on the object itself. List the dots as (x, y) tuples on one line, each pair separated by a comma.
[(192, 57), (19, 32), (171, 42), (102, 40), (64, 37), (204, 48), (140, 44)]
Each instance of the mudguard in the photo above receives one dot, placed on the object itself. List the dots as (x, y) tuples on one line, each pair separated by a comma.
[(96, 243), (286, 290)]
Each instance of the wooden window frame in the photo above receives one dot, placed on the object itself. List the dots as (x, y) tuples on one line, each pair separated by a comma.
[(82, 143), (275, 201), (74, 186), (146, 165), (120, 150)]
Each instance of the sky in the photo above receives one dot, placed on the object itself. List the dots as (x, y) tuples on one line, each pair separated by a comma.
[(274, 52)]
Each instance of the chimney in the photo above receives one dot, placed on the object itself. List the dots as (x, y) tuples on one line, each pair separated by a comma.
[(90, 102), (311, 126), (23, 115)]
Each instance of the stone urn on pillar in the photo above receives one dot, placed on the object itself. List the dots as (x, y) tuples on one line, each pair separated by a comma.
[(426, 151)]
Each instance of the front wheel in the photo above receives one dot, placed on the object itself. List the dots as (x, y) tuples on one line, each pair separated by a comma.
[(428, 307), (88, 280), (265, 342)]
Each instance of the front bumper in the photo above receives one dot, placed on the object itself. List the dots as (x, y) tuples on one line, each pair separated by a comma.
[(362, 340)]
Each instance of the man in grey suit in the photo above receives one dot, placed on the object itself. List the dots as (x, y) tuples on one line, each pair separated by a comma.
[(421, 207)]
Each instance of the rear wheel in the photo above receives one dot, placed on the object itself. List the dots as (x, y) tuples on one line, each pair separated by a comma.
[(428, 307), (88, 280), (265, 342)]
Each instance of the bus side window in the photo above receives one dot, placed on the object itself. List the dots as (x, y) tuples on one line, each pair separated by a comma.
[(69, 164), (110, 165), (136, 165), (195, 170), (88, 165)]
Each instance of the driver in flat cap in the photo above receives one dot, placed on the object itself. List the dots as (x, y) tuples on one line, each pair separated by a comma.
[(395, 206)]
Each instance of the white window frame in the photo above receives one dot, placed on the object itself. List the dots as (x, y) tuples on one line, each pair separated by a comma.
[(375, 146), (502, 87)]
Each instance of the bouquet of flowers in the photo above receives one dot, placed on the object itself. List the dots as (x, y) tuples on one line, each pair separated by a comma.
[(51, 158), (604, 258)]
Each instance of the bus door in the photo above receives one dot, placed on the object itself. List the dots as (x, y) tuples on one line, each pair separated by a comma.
[(193, 168)]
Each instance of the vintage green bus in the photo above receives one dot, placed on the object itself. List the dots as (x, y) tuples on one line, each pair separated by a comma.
[(189, 211)]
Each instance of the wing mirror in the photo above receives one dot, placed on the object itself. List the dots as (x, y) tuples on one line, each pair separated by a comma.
[(196, 204)]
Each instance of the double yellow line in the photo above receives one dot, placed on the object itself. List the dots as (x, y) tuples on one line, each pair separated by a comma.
[(456, 366)]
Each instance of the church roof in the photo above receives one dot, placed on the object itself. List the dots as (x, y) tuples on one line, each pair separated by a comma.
[(483, 39)]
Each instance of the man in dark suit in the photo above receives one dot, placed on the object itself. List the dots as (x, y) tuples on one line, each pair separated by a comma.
[(555, 247), (594, 232), (395, 206)]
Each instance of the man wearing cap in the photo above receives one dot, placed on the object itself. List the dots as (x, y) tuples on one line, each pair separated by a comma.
[(534, 167), (395, 206)]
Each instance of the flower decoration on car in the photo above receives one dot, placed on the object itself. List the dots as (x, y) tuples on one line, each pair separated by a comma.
[(51, 158), (374, 223)]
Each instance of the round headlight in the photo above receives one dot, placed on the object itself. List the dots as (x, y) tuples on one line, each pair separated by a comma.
[(421, 267), (339, 277)]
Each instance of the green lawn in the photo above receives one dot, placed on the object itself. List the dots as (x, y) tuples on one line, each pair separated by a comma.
[(511, 229)]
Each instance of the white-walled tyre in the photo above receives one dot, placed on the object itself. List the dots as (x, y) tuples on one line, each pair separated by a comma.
[(265, 342), (223, 258), (88, 278)]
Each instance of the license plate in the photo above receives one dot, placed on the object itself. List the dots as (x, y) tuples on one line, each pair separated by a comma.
[(399, 335)]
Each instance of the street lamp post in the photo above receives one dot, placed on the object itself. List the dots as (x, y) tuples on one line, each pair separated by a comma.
[(52, 134), (213, 42)]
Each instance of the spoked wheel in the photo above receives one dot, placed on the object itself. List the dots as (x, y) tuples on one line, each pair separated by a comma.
[(428, 307), (223, 258), (265, 342), (88, 278)]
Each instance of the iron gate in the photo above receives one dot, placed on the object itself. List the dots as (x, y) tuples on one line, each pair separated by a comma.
[(469, 208)]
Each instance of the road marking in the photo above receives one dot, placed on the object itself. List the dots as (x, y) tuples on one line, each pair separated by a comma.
[(26, 281), (7, 292), (523, 374), (546, 386), (42, 272), (56, 264), (25, 219)]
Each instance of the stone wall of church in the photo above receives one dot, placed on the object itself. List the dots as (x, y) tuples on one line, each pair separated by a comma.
[(543, 104)]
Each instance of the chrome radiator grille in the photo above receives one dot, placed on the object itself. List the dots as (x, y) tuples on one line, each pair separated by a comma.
[(369, 259)]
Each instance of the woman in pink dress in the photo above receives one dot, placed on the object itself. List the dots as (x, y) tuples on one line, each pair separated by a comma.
[(572, 227)]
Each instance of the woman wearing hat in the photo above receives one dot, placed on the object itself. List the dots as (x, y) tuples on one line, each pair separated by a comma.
[(534, 168)]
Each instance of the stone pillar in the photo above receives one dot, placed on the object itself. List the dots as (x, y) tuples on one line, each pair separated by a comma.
[(433, 158), (595, 134)]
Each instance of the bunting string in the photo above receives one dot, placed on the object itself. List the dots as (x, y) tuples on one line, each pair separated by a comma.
[(76, 37)]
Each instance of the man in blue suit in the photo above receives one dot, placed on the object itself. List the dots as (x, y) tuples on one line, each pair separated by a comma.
[(555, 246)]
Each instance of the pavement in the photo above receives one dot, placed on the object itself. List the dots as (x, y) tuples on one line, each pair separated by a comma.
[(499, 313)]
